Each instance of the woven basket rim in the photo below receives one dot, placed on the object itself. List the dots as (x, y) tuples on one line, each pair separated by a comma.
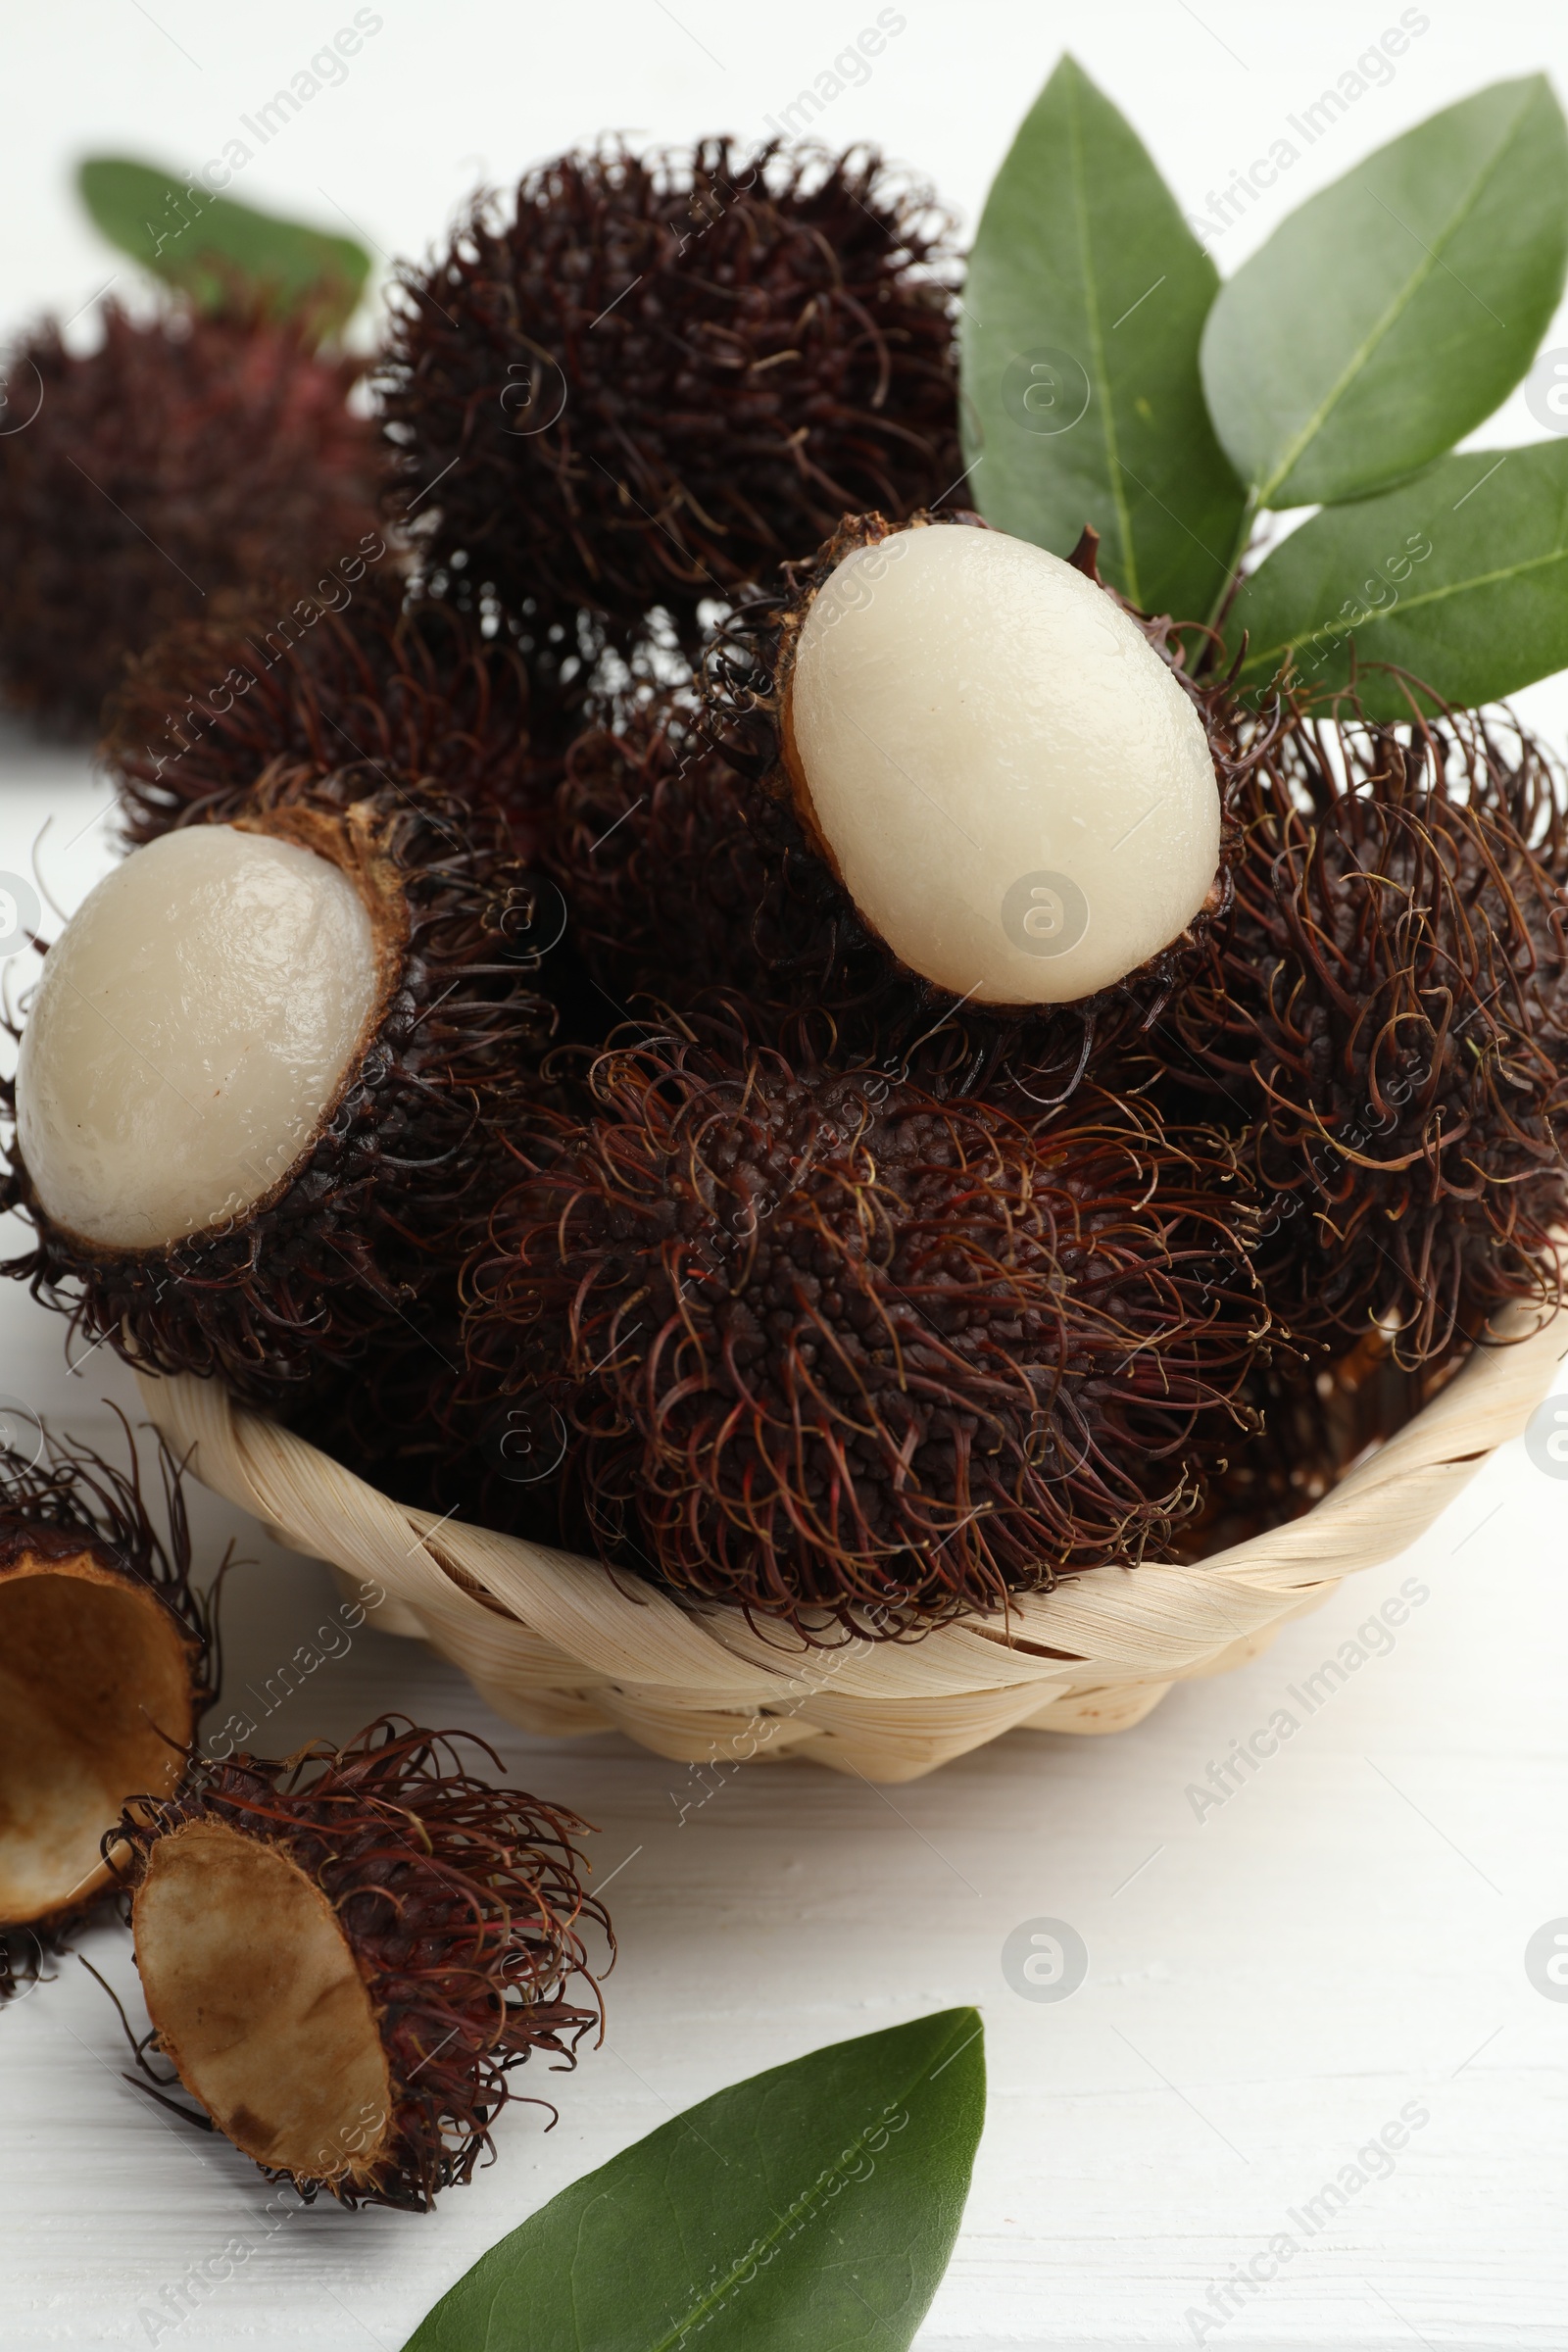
[(557, 1642)]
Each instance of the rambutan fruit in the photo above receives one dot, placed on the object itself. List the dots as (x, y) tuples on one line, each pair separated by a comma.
[(671, 886), (686, 868), (849, 1354), (107, 1660), (386, 1419), (1385, 1006), (413, 688), (957, 706), (345, 1954), (255, 1086), (659, 376), (1314, 1419), (189, 452)]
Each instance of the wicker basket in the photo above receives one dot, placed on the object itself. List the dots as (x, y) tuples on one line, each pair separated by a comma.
[(557, 1644)]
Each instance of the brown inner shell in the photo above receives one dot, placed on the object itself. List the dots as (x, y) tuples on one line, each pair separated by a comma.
[(856, 532), (258, 2001), (95, 1681)]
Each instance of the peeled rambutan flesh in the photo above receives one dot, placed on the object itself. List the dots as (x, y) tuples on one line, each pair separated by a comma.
[(1385, 1009), (846, 1354), (188, 453), (107, 1664), (347, 1953), (958, 709), (655, 377), (255, 1080), (357, 674)]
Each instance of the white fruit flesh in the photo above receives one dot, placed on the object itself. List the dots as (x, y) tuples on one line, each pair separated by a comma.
[(1017, 795), (194, 1025)]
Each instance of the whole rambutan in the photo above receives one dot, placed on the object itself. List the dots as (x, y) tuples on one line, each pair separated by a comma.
[(345, 1954), (257, 1080), (846, 1354), (659, 852), (656, 377), (1314, 1420), (107, 1660), (413, 688), (1384, 1007), (386, 1418), (191, 453)]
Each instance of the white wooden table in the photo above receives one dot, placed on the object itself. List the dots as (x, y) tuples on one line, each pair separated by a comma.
[(1272, 1979)]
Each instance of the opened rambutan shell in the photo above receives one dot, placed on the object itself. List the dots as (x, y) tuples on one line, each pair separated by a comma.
[(656, 377), (1385, 1005), (187, 454), (334, 1240), (107, 1664), (412, 688), (846, 1354), (686, 870), (345, 1954)]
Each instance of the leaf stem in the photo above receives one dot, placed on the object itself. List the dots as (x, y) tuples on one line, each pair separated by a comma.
[(1244, 533)]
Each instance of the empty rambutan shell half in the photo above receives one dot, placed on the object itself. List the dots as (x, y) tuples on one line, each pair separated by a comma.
[(105, 1668), (253, 1085), (346, 1954)]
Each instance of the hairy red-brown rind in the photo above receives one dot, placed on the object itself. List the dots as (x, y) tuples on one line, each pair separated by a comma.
[(188, 453), (651, 377)]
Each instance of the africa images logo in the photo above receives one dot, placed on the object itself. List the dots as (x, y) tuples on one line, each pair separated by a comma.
[(1045, 1960), (1044, 914)]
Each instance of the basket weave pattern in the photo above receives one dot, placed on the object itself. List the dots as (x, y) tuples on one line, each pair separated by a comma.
[(557, 1644)]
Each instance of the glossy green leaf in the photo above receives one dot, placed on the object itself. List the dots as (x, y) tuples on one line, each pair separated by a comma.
[(1460, 576), (811, 2209), (1391, 312), (208, 245), (1086, 297)]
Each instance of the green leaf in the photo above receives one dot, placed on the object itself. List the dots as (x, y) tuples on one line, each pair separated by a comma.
[(1481, 611), (1391, 312), (811, 2209), (209, 245), (1086, 297)]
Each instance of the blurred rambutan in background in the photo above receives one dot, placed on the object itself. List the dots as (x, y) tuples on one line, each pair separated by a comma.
[(189, 452)]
